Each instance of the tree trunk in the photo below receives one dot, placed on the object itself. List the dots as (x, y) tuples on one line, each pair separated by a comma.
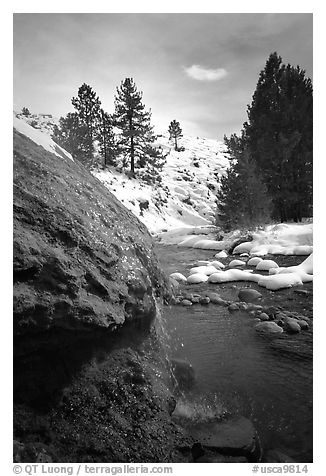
[(132, 155), (175, 144)]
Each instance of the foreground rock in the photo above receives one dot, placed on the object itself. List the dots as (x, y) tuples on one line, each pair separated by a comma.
[(81, 260), (83, 267), (233, 437)]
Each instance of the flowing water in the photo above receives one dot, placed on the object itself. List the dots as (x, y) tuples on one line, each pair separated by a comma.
[(239, 371)]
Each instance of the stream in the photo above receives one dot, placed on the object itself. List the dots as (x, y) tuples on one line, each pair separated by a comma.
[(237, 370)]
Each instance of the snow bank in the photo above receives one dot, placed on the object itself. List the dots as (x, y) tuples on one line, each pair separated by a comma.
[(278, 278), (304, 270), (207, 270), (282, 239), (40, 138), (232, 275), (280, 281)]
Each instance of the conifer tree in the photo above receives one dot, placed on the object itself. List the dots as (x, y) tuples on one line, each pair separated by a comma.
[(243, 198), (134, 123), (175, 132), (279, 136), (106, 139), (69, 135), (87, 105)]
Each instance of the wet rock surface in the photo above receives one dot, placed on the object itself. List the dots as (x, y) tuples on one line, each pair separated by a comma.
[(81, 260), (90, 380)]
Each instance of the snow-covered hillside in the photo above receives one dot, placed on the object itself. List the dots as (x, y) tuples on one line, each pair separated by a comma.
[(181, 210), (186, 197)]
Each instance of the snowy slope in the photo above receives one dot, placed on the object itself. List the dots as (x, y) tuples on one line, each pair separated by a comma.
[(186, 197), (181, 209), (39, 137), (187, 194)]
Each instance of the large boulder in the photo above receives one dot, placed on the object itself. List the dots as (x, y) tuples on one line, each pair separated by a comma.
[(81, 259), (90, 381)]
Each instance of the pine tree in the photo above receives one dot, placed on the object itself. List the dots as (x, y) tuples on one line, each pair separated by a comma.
[(243, 199), (106, 139), (153, 165), (134, 123), (175, 132), (69, 135), (279, 137), (87, 105)]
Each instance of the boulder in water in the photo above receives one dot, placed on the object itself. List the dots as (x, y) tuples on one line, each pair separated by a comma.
[(233, 307), (184, 373), (263, 316), (249, 295), (215, 298), (292, 326), (303, 324), (268, 327), (235, 436)]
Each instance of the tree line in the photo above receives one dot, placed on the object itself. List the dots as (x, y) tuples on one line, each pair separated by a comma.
[(126, 136), (270, 173)]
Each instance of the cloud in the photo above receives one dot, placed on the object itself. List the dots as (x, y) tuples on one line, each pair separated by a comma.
[(205, 74)]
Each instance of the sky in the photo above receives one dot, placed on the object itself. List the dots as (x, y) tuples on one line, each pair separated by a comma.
[(200, 69)]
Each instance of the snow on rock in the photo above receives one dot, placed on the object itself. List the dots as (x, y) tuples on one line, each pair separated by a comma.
[(179, 277), (207, 270), (284, 239), (236, 262), (233, 275), (254, 261), (217, 264), (40, 138), (278, 278), (266, 265), (197, 278), (280, 281), (221, 254), (244, 247)]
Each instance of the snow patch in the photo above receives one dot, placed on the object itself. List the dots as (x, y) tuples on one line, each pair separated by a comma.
[(40, 138)]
